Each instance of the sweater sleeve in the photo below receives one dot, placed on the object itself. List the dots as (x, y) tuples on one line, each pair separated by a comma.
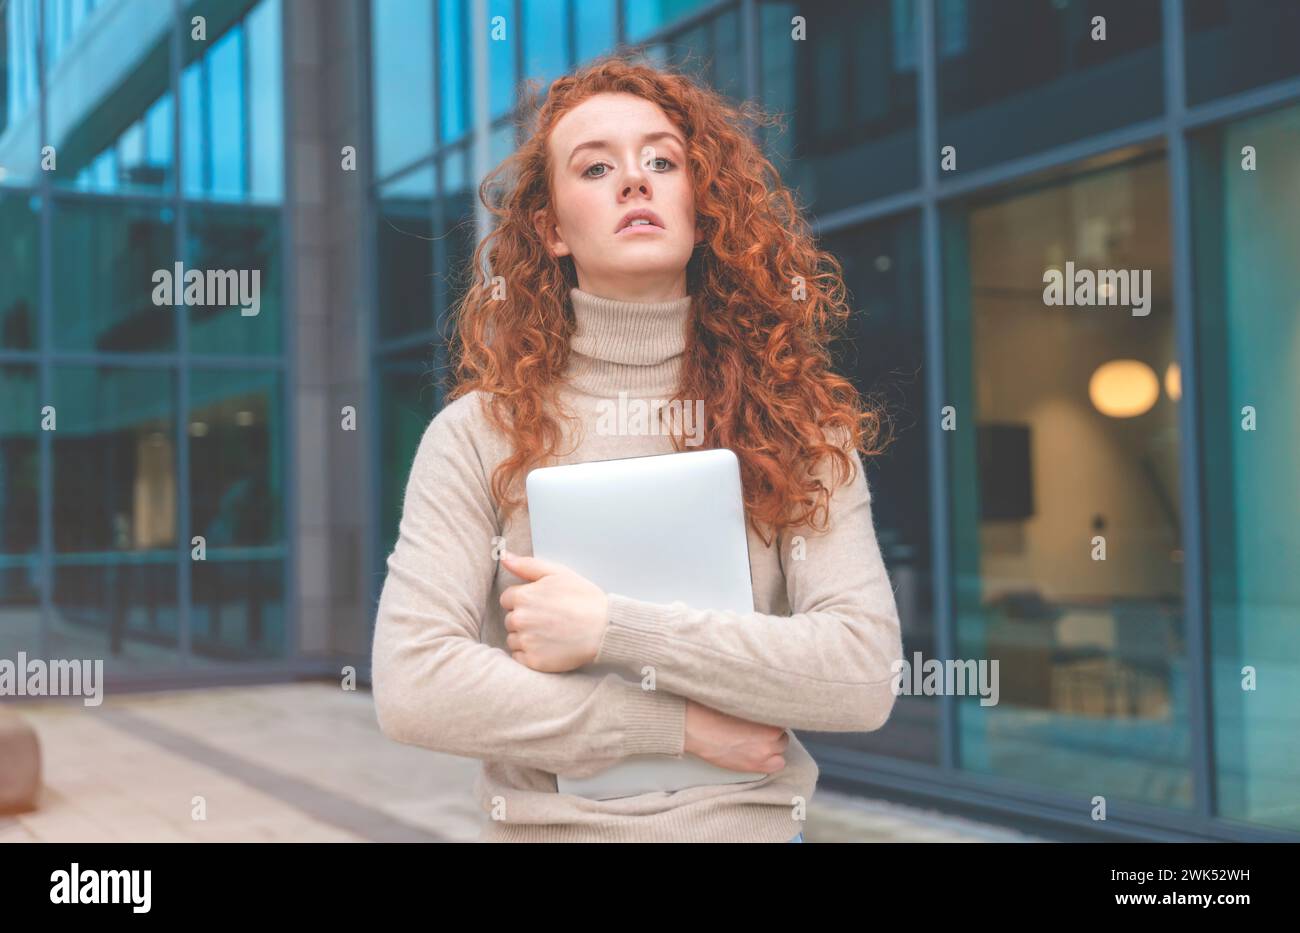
[(436, 685), (826, 667)]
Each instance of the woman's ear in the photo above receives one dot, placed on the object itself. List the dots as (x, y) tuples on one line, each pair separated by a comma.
[(550, 233)]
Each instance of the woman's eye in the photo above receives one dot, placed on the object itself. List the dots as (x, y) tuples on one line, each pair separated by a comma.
[(667, 164)]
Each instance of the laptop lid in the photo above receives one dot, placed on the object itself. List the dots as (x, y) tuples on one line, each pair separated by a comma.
[(661, 528)]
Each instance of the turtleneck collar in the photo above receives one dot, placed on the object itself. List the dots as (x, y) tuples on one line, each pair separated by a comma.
[(626, 346)]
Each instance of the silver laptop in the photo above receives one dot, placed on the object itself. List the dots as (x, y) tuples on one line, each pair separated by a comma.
[(660, 528)]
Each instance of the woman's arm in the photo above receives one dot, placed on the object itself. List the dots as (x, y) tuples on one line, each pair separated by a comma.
[(826, 667), (437, 686)]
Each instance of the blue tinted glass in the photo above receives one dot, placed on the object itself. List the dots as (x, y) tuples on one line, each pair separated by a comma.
[(883, 352), (593, 28), (240, 313), (1070, 454), (105, 257), (503, 40), (20, 481), (108, 85), (1246, 240), (228, 135), (19, 90), (402, 62), (195, 170), (232, 110), (405, 254), (265, 105), (130, 147), (19, 267), (236, 437), (502, 144), (1020, 76), (158, 142), (642, 17), (453, 46), (456, 230), (407, 400), (1234, 46), (114, 453), (115, 497), (545, 39), (709, 51), (849, 93)]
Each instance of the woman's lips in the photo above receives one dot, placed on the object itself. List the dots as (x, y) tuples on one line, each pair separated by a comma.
[(639, 228)]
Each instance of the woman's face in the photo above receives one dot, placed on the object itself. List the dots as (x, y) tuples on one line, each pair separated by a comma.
[(611, 155)]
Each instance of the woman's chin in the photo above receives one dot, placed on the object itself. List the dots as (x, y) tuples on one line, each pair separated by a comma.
[(649, 258)]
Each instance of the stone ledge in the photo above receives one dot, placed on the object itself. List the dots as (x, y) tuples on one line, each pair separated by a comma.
[(20, 763)]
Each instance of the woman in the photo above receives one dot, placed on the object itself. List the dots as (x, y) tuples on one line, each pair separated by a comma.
[(645, 246)]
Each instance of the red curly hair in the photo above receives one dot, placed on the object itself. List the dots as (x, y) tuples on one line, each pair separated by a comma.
[(765, 304)]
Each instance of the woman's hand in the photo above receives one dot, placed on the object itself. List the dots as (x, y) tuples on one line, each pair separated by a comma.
[(556, 621), (734, 743)]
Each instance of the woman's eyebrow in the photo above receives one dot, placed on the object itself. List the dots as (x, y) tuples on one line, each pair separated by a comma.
[(603, 143)]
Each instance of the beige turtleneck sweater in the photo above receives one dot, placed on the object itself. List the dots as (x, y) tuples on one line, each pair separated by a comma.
[(815, 654)]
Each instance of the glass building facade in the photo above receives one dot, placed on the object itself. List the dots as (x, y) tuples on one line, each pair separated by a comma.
[(141, 446), (951, 153), (198, 495)]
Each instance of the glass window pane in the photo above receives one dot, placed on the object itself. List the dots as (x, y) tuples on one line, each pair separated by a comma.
[(1234, 46), (402, 63), (1067, 529), (20, 140), (196, 166), (457, 236), (115, 501), (227, 133), (502, 45), (453, 73), (1021, 76), (1246, 241), (237, 612), (237, 252), (232, 103), (405, 254), (266, 106), (407, 399), (19, 494), (883, 352), (108, 262), (502, 143), (710, 52), (108, 77), (19, 267), (643, 17), (593, 28), (237, 470), (545, 39), (848, 93)]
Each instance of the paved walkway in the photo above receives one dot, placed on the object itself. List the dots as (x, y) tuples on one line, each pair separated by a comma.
[(302, 762)]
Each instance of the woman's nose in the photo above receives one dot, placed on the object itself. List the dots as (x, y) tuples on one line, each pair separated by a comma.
[(637, 176)]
